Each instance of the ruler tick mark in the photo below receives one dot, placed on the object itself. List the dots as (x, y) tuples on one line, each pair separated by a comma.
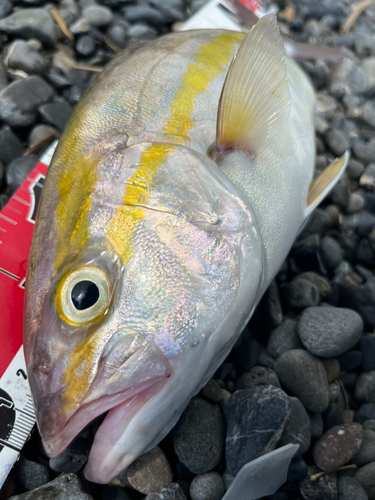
[(8, 220)]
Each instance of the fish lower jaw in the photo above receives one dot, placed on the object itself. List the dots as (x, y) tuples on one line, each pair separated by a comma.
[(129, 402)]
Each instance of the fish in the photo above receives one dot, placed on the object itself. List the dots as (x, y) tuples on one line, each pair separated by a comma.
[(173, 198)]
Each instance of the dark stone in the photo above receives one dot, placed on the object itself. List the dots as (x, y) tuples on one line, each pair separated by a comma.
[(19, 169), (321, 283), (141, 32), (297, 470), (366, 478), (273, 312), (64, 487), (118, 35), (212, 391), (284, 338), (316, 425), (365, 412), (19, 101), (85, 46), (97, 15), (115, 493), (361, 298), (365, 254), (367, 347), (355, 169), (303, 375), (144, 13), (340, 195), (297, 427), (255, 421), (366, 452), (332, 416), (259, 375), (361, 222), (324, 488), (73, 458), (349, 360), (31, 23), (57, 114), (199, 436), (246, 355), (6, 8), (337, 446), (30, 475), (330, 252), (365, 387), (350, 489), (25, 58), (171, 491), (301, 293), (10, 146), (207, 486), (329, 331)]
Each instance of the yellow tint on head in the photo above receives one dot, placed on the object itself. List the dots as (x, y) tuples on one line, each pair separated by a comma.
[(210, 61)]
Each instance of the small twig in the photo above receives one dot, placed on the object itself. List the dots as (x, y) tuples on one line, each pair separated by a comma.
[(111, 45), (314, 477), (35, 148), (344, 393), (85, 67), (289, 13), (62, 24), (354, 15)]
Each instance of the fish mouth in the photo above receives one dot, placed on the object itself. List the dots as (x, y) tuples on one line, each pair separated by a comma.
[(130, 372)]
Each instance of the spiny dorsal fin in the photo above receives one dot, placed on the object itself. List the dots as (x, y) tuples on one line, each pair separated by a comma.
[(322, 185), (255, 101)]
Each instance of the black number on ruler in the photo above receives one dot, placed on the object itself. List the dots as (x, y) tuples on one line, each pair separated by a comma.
[(21, 372), (36, 191)]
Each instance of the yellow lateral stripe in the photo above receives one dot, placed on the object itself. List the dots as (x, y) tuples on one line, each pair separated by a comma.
[(211, 60)]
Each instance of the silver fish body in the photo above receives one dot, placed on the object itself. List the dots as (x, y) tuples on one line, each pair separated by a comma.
[(179, 247)]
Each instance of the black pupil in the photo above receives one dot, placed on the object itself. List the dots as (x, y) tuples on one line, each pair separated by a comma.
[(84, 295)]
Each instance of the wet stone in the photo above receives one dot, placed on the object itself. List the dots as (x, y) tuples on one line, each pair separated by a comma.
[(321, 283), (140, 31), (31, 23), (303, 376), (212, 391), (366, 478), (150, 471), (337, 446), (348, 78), (6, 8), (19, 101), (19, 169), (115, 493), (365, 412), (199, 436), (356, 203), (97, 15), (22, 56), (297, 427), (246, 355), (41, 132), (316, 425), (330, 252), (332, 416), (301, 293), (324, 487), (329, 331), (365, 387), (144, 13), (284, 338), (367, 347), (350, 489), (30, 475), (171, 491), (85, 46), (10, 146), (118, 35), (273, 312), (255, 421), (297, 470), (56, 114), (207, 486), (355, 169), (366, 452), (73, 459), (64, 487)]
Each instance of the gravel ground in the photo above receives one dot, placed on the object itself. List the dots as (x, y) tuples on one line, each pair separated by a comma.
[(303, 370)]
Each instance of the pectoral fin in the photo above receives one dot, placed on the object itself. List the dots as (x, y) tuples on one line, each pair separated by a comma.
[(255, 100), (322, 185)]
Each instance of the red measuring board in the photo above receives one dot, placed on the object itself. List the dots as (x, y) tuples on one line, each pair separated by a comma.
[(17, 221)]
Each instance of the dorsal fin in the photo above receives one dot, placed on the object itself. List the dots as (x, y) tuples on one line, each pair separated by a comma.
[(255, 101), (322, 185)]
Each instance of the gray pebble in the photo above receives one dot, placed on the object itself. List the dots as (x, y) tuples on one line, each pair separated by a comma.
[(73, 458), (301, 293), (85, 46), (356, 203), (368, 67), (284, 338), (329, 331), (365, 412), (255, 421), (81, 25), (367, 347), (56, 114), (366, 452), (369, 424), (323, 488), (303, 375), (330, 252), (340, 195), (365, 387), (64, 487), (6, 8), (207, 486), (118, 35), (363, 151), (30, 475), (40, 132), (141, 32), (350, 489), (31, 23), (337, 446), (10, 146), (97, 15), (212, 391), (316, 425), (366, 478), (348, 78), (199, 435), (19, 169), (297, 427), (21, 56), (321, 283), (259, 375), (171, 491), (19, 101), (150, 471), (367, 179), (144, 13), (364, 41), (355, 169)]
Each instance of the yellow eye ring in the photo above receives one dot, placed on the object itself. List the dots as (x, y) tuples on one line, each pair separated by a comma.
[(65, 304)]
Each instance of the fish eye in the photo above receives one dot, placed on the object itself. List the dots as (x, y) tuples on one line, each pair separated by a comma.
[(83, 295)]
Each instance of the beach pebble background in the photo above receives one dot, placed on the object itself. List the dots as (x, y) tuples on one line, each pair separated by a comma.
[(303, 371)]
